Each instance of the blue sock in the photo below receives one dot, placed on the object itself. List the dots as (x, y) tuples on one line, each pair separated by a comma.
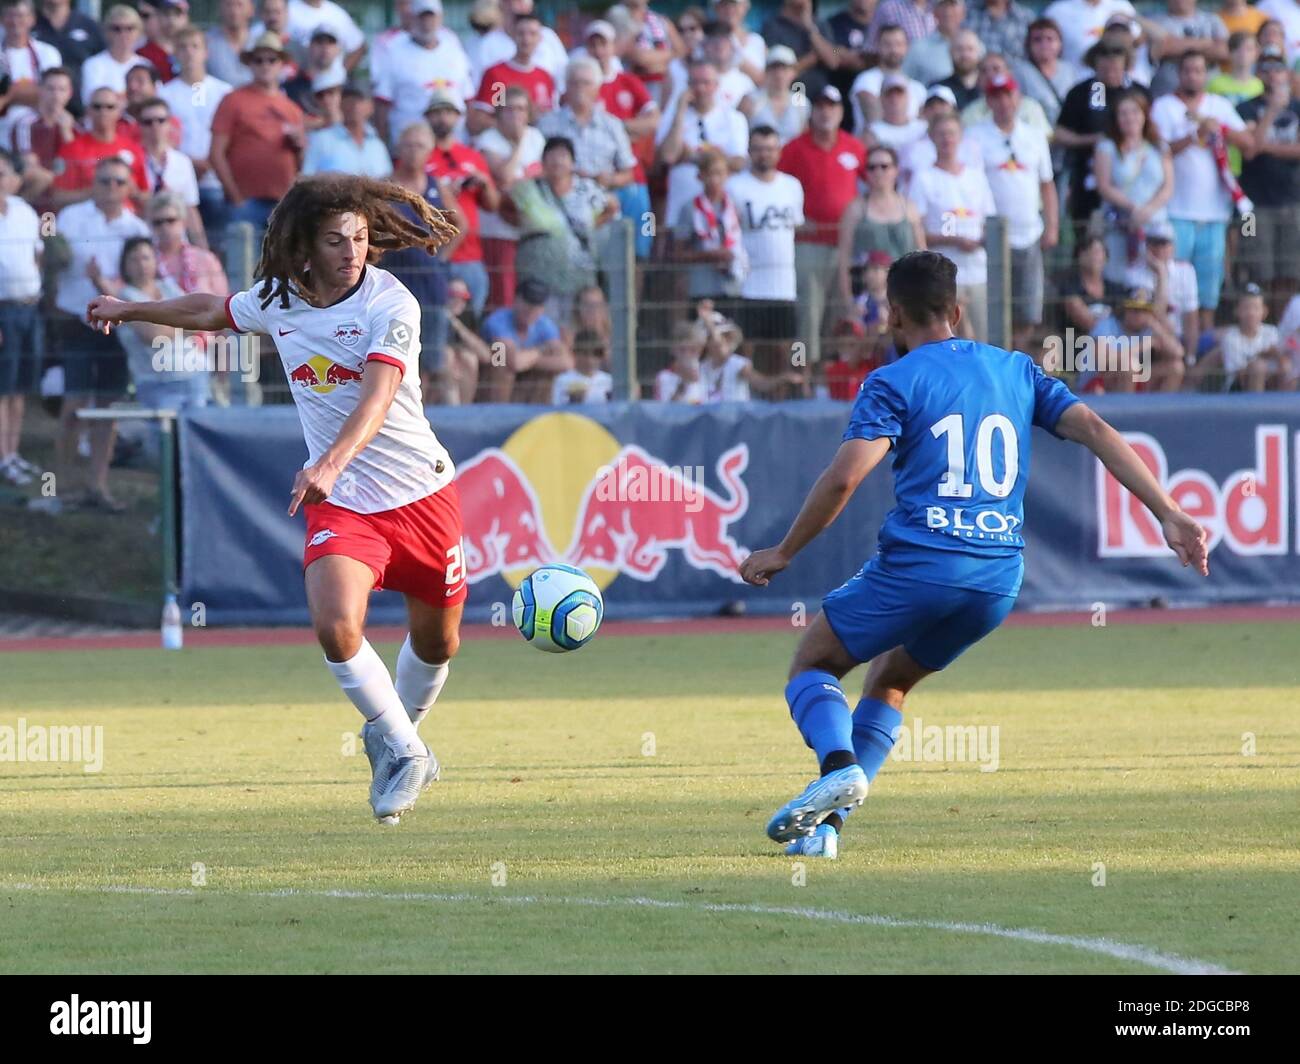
[(875, 730), (821, 713)]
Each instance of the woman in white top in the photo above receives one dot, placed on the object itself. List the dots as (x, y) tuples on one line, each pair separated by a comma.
[(1135, 178), (773, 103), (166, 377), (107, 69), (690, 35), (751, 49)]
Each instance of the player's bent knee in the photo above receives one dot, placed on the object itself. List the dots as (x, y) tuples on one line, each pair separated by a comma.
[(340, 639), (891, 696), (891, 677), (433, 650)]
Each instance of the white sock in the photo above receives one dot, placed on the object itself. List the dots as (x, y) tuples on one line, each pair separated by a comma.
[(418, 682), (366, 682)]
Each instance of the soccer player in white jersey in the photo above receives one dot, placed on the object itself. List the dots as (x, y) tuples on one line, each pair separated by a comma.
[(377, 489)]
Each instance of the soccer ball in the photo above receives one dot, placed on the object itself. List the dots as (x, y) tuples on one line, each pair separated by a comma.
[(557, 608)]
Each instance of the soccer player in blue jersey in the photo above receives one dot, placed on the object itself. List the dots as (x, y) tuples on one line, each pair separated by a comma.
[(957, 414)]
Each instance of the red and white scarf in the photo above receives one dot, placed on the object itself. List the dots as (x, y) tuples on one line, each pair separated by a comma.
[(187, 277), (720, 228), (1218, 145)]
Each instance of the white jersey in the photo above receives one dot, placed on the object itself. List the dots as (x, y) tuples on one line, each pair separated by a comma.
[(769, 212), (325, 351), (412, 73), (725, 383)]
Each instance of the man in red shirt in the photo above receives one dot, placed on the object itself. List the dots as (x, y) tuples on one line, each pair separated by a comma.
[(828, 163), (471, 179), (168, 19), (37, 137), (521, 71), (626, 97), (74, 166), (258, 136)]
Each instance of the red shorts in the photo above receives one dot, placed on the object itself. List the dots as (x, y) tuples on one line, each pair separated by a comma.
[(499, 258), (414, 549)]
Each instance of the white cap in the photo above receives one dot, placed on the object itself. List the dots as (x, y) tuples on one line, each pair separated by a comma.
[(444, 98), (600, 28), (333, 78), (781, 53), (941, 92), (426, 7)]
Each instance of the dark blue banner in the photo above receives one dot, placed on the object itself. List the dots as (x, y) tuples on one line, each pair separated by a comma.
[(660, 503)]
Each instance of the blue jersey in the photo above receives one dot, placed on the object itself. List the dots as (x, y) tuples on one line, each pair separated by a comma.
[(958, 415)]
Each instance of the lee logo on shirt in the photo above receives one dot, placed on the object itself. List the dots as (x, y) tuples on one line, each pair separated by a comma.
[(399, 337), (322, 375)]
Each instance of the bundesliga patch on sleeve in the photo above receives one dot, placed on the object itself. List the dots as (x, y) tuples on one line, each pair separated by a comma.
[(399, 337)]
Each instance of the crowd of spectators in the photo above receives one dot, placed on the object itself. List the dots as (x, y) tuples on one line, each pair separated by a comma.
[(1145, 169)]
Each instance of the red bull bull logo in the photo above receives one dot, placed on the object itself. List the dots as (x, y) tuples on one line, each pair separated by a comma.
[(623, 514), (501, 516), (638, 509), (322, 375)]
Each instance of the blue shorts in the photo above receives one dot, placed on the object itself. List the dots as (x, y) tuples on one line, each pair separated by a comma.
[(877, 610), (1202, 244), (634, 203)]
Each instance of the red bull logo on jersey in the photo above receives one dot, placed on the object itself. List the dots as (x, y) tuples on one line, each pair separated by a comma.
[(322, 375), (562, 489), (1249, 511)]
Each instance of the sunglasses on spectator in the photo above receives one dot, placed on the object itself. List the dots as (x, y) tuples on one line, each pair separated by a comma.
[(107, 181), (159, 121), (104, 106), (880, 166), (264, 60), (120, 29), (163, 221)]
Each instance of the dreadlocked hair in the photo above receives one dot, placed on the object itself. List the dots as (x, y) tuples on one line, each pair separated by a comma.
[(292, 228)]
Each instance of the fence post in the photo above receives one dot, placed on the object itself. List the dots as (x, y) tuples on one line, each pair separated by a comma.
[(239, 255), (167, 504), (240, 248), (999, 281), (618, 261)]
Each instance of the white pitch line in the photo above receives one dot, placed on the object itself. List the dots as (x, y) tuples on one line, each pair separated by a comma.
[(1165, 962)]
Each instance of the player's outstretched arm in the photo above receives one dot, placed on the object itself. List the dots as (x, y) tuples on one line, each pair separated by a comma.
[(200, 311), (378, 387), (1185, 537), (850, 466)]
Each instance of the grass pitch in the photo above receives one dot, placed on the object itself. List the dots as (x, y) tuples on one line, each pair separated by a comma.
[(604, 812)]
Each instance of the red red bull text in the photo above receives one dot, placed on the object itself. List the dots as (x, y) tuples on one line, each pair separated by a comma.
[(1250, 511)]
